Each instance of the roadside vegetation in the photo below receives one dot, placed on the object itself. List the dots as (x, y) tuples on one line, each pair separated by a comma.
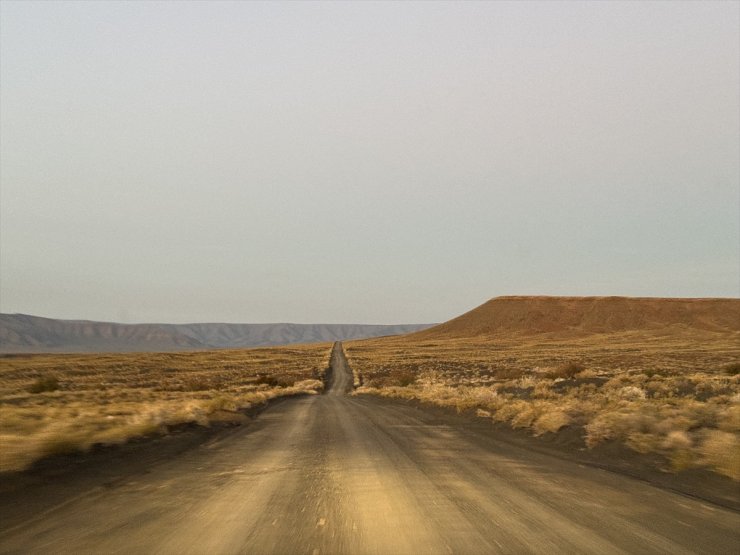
[(52, 404), (674, 394)]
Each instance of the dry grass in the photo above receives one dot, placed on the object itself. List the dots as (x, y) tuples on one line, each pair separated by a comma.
[(59, 403), (676, 394)]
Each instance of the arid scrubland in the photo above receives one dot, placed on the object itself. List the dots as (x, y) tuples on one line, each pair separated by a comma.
[(672, 391), (52, 404)]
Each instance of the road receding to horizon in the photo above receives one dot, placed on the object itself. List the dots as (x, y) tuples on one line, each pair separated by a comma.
[(341, 474)]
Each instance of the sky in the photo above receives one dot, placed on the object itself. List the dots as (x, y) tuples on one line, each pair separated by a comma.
[(363, 162)]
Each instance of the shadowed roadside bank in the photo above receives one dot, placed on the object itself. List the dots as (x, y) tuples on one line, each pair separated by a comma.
[(62, 474), (57, 404), (567, 446)]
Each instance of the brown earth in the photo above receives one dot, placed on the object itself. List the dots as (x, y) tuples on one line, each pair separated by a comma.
[(578, 316)]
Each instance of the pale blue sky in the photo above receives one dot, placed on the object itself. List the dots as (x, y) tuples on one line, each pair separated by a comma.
[(363, 162)]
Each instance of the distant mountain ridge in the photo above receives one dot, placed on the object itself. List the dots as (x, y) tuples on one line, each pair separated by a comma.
[(21, 333)]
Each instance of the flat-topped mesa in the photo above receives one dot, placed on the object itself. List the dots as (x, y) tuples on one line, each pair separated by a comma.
[(576, 316)]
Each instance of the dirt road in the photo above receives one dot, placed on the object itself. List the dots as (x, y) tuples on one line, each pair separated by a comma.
[(339, 474)]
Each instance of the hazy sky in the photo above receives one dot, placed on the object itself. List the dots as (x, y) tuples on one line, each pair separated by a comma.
[(363, 162)]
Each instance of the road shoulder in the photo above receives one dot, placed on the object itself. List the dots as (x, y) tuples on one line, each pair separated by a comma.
[(699, 484)]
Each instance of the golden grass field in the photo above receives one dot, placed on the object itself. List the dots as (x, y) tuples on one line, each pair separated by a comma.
[(671, 390), (56, 403)]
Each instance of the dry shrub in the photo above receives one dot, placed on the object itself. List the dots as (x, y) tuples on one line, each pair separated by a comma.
[(525, 382), (631, 393), (310, 387), (701, 414), (266, 379), (679, 447), (681, 459), (543, 390), (733, 369), (43, 384), (486, 396), (656, 372), (566, 371), (729, 418), (405, 379), (508, 410), (677, 439), (551, 421), (525, 417), (509, 373), (473, 397), (643, 442), (674, 428), (721, 451), (612, 425), (221, 403)]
